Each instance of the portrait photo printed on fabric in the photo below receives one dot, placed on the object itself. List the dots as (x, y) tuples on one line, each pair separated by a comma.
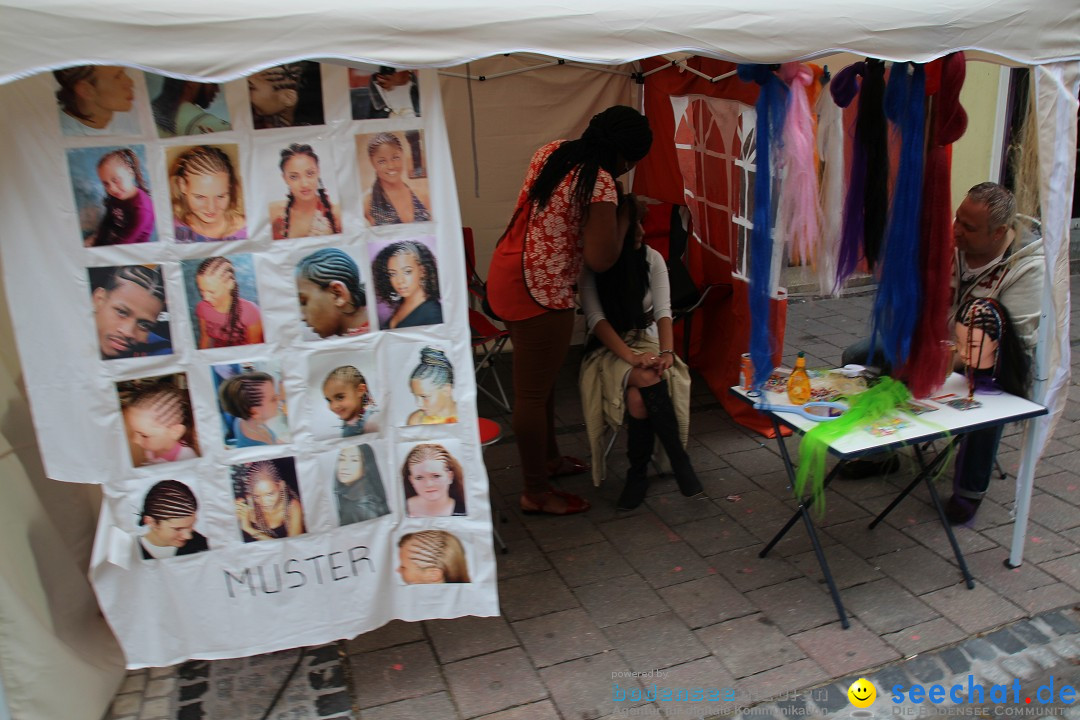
[(158, 422), (206, 192), (186, 107), (251, 401), (131, 317), (112, 195), (223, 300), (97, 100), (342, 394), (428, 557), (425, 384), (405, 277), (306, 191), (357, 483), (394, 177), (167, 515), (378, 91), (268, 503), (331, 293), (288, 95), (433, 479)]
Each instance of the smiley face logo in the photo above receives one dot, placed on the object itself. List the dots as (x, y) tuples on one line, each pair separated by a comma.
[(861, 693)]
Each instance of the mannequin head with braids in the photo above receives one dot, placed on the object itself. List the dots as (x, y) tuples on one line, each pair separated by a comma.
[(432, 384), (331, 296), (993, 355), (169, 514), (307, 212), (432, 556), (206, 193), (126, 309), (216, 280), (159, 422)]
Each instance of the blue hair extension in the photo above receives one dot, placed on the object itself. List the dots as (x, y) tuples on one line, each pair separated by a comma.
[(899, 297), (772, 99)]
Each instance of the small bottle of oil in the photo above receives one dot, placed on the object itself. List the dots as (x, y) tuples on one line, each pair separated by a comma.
[(798, 385)]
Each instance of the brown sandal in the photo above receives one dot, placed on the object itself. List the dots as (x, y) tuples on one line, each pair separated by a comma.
[(571, 504)]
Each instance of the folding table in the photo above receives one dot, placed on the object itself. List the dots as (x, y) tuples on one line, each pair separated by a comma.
[(945, 422)]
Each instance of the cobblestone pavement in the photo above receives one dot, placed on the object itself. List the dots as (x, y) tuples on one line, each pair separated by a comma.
[(674, 594)]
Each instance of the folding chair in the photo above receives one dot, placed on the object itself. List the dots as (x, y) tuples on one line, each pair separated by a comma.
[(488, 340)]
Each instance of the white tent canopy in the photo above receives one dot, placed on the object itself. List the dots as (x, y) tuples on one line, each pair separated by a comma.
[(218, 40)]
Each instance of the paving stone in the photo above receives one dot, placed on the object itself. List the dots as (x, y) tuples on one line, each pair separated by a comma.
[(524, 558), (1048, 597), (716, 535), (190, 692), (493, 682), (655, 642), (1060, 623), (1041, 544), (918, 569), (560, 636), (749, 645), (194, 711), (746, 571), (884, 679), (330, 703), (162, 672), (589, 563), (156, 709), (1054, 512), (160, 687), (1028, 633), (785, 679), (1066, 569), (437, 705), (795, 605), (669, 564), (847, 568), (885, 607), (706, 674), (988, 566), (559, 533), (1005, 641), (979, 649), (1019, 666), (839, 651), (617, 600), (126, 704), (973, 610), (464, 637), (674, 509), (637, 533), (867, 543), (924, 636), (542, 710), (954, 660), (135, 681), (925, 668), (582, 689), (395, 632), (932, 535), (531, 595), (706, 601), (1064, 485), (395, 673), (754, 462), (761, 512)]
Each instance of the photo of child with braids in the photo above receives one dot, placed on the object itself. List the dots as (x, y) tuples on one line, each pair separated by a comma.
[(130, 314), (386, 160), (223, 301), (431, 556), (347, 396), (378, 91), (158, 420), (430, 379), (206, 192), (96, 100), (307, 210), (406, 280), (267, 500), (112, 195), (434, 482), (331, 294), (169, 513), (252, 404), (288, 95)]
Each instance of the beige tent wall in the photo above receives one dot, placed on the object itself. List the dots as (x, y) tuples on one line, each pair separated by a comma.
[(977, 155), (515, 115)]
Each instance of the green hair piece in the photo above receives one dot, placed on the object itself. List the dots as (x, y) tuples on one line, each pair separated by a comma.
[(865, 408)]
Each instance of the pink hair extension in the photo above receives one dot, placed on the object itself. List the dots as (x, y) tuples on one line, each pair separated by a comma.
[(799, 198), (830, 148)]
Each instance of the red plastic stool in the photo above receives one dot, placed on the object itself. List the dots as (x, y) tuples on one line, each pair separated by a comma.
[(491, 433)]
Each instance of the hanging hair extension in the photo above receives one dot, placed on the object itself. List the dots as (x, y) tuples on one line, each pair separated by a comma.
[(437, 549), (865, 408), (168, 500), (830, 149), (799, 206), (875, 136), (129, 159), (770, 121), (899, 296), (617, 131), (948, 120), (288, 154), (622, 287), (434, 366), (222, 268), (843, 89), (1026, 161)]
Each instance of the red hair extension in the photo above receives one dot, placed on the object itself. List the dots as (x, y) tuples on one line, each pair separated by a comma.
[(924, 370)]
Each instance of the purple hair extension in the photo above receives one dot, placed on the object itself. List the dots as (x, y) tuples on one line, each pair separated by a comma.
[(770, 123), (799, 208), (875, 136), (899, 295), (843, 89)]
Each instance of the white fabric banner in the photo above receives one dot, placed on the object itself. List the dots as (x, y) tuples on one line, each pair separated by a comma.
[(239, 308)]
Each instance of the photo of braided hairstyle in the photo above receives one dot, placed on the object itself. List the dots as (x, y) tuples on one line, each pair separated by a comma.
[(437, 549), (222, 268)]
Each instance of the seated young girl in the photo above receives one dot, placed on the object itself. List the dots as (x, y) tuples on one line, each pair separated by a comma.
[(630, 368)]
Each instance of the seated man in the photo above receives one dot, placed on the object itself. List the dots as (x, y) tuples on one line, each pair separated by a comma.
[(987, 265)]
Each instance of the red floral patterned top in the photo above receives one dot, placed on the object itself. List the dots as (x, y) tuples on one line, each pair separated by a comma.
[(534, 268)]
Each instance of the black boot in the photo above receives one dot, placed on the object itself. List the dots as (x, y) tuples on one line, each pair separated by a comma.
[(666, 426), (639, 447)]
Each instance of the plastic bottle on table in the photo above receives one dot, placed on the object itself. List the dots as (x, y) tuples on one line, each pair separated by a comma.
[(798, 385)]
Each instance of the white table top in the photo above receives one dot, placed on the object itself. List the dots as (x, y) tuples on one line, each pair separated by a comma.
[(996, 410)]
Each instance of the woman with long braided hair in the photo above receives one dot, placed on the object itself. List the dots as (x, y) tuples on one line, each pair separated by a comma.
[(331, 295), (207, 199), (308, 211), (225, 319), (391, 200), (570, 213), (431, 556), (266, 506)]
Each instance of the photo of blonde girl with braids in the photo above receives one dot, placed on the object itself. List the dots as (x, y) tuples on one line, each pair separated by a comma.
[(286, 95), (128, 214), (207, 198), (431, 556), (158, 420), (307, 211), (222, 317), (249, 401), (331, 294), (434, 482), (267, 500), (432, 384), (347, 396)]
